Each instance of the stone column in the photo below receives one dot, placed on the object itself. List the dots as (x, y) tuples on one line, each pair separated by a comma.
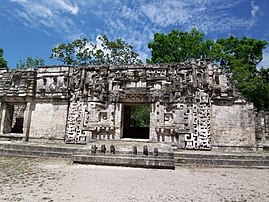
[(1, 118), (154, 107), (27, 121), (118, 120), (7, 113)]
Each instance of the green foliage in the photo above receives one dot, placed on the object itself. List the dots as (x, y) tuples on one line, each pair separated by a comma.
[(258, 90), (239, 57), (179, 46), (140, 116), (3, 62), (31, 63), (85, 52)]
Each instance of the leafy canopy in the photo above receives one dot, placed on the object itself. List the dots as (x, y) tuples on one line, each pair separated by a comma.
[(239, 57), (31, 63), (179, 46), (140, 116), (85, 52), (3, 62)]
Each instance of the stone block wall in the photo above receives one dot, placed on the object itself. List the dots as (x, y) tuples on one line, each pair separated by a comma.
[(233, 125), (192, 105), (262, 127), (48, 121), (34, 103)]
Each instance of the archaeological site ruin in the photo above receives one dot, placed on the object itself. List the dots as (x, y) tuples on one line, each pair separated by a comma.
[(190, 105)]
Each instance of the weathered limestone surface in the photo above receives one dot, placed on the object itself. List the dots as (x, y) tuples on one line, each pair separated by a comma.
[(34, 103), (48, 121), (178, 96), (192, 105), (233, 125)]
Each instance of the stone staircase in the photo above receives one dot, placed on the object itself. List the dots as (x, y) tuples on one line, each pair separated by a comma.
[(123, 154), (158, 155), (222, 159), (22, 149)]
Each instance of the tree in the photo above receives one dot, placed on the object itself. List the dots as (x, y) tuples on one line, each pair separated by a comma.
[(85, 52), (239, 57), (31, 63), (259, 95), (3, 62), (140, 116), (179, 46)]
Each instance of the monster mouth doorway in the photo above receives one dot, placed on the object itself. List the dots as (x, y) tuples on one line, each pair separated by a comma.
[(136, 121)]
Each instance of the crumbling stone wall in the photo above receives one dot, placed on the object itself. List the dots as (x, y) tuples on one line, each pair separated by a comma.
[(49, 108), (233, 125), (17, 87), (262, 126), (39, 97), (183, 99), (192, 105)]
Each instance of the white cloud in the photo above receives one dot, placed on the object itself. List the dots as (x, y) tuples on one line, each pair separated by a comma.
[(254, 10), (134, 21), (166, 13), (265, 62), (207, 15), (48, 16), (68, 6)]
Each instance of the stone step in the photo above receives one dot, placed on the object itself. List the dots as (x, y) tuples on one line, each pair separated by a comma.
[(127, 161), (124, 153), (36, 150), (39, 147), (212, 155), (125, 156), (28, 153), (127, 145), (222, 163), (247, 160), (84, 154)]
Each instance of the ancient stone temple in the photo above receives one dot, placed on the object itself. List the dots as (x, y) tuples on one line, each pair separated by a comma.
[(190, 105)]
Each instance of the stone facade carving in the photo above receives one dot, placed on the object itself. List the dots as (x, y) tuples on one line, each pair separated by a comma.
[(188, 102), (179, 95), (17, 83)]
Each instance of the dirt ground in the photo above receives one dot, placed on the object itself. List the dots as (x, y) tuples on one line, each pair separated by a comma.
[(29, 180)]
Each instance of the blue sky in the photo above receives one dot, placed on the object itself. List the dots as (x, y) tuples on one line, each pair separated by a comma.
[(34, 27)]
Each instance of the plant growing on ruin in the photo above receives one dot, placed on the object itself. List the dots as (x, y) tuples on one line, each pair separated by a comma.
[(85, 52)]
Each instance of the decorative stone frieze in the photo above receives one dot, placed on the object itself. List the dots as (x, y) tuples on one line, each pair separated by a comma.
[(191, 104)]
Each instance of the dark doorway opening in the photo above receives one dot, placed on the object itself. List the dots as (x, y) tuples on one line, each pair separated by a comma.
[(14, 118), (18, 126), (136, 121)]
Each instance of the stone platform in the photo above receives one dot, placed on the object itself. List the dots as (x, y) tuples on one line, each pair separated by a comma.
[(125, 152), (124, 155), (222, 159)]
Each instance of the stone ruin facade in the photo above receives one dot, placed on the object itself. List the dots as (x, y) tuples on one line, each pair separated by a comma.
[(191, 105)]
